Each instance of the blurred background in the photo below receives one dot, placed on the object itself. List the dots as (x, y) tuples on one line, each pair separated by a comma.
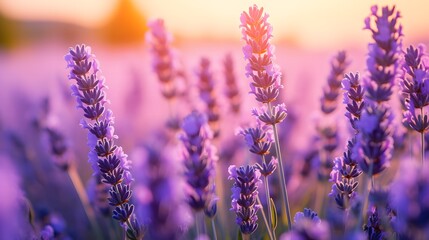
[(35, 36)]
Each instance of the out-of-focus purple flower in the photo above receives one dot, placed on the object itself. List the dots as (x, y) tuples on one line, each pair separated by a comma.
[(163, 57), (415, 88), (199, 156), (373, 227), (382, 61), (232, 91), (408, 194), (307, 225), (244, 194), (306, 214), (160, 199), (374, 142), (206, 86), (47, 233), (328, 102), (106, 158), (14, 222), (259, 53), (353, 98)]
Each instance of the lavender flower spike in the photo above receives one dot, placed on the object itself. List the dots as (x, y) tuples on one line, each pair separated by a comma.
[(332, 90), (199, 156), (382, 62), (244, 194), (106, 158), (353, 98), (260, 55)]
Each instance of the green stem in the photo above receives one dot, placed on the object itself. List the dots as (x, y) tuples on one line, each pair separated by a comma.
[(214, 229), (267, 196), (270, 234), (83, 197), (282, 177)]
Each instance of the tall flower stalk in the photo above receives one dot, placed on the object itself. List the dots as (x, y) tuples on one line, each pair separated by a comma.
[(266, 80), (415, 88), (232, 91), (259, 140), (106, 158), (199, 156)]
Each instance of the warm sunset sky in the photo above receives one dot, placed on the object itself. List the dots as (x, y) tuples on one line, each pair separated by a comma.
[(311, 23)]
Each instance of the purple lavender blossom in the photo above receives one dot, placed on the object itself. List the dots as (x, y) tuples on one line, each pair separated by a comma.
[(106, 158), (265, 74), (332, 90), (159, 191), (373, 227), (199, 156), (307, 225), (232, 91), (353, 98), (206, 86), (244, 194), (374, 142), (163, 57), (382, 62), (415, 88), (408, 193)]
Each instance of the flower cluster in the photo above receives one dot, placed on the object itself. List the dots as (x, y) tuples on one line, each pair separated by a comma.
[(374, 142), (244, 194), (106, 158), (163, 57), (199, 156), (382, 62), (259, 53), (373, 227), (344, 176), (353, 98), (259, 140), (415, 87), (231, 90), (332, 90), (206, 86)]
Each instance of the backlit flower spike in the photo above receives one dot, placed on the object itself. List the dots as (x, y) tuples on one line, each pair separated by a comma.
[(259, 53), (244, 194), (382, 61), (353, 98), (106, 158), (164, 57)]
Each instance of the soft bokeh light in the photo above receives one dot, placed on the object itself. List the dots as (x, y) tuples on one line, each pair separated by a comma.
[(306, 23)]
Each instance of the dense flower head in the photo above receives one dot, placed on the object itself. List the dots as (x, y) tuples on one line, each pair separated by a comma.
[(344, 177), (163, 56), (353, 98), (374, 142), (271, 116), (382, 61), (332, 90), (373, 227), (199, 156), (107, 159), (259, 53), (244, 194), (415, 88), (258, 138), (306, 214)]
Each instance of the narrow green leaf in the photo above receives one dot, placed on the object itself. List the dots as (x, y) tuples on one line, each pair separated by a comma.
[(273, 214), (239, 235)]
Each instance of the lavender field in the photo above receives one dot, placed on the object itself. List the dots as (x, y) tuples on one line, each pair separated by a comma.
[(156, 136)]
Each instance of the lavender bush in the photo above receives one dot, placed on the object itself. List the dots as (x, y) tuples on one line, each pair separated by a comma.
[(186, 175)]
